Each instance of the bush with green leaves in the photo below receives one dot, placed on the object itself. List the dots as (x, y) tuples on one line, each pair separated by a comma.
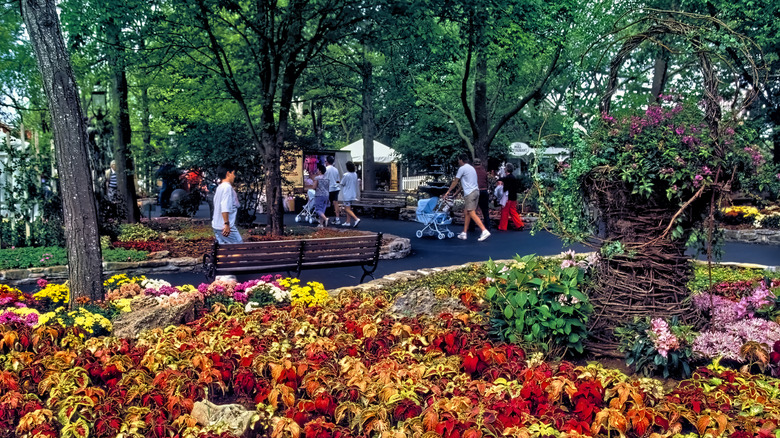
[(537, 303), (655, 346), (35, 257), (30, 257), (124, 255), (770, 221), (129, 232)]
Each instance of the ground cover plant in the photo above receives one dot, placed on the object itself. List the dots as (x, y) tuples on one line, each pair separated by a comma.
[(311, 365), (31, 257), (134, 242)]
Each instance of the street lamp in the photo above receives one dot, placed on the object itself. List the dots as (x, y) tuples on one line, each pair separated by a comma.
[(98, 102)]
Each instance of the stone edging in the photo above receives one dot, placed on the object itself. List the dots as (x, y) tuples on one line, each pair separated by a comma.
[(765, 236), (395, 248)]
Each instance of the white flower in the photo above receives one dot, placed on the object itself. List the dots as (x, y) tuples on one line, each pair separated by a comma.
[(151, 283), (251, 306)]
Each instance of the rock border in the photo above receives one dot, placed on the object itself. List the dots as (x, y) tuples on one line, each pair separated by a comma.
[(758, 235), (393, 247)]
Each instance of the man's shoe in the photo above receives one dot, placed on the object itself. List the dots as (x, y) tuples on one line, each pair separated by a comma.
[(336, 221), (326, 221), (463, 236), (356, 223), (345, 224), (485, 234)]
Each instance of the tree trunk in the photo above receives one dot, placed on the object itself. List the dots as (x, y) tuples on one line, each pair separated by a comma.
[(121, 120), (315, 109), (273, 185), (660, 71), (71, 147), (146, 135), (367, 125), (480, 106)]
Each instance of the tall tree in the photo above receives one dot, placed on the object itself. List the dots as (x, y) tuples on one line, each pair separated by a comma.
[(125, 167), (502, 57), (71, 145), (258, 51)]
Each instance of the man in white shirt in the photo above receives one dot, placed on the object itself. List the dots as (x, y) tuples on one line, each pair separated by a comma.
[(468, 181), (226, 205), (332, 175)]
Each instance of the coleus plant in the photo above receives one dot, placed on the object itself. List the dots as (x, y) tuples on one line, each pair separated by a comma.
[(346, 369)]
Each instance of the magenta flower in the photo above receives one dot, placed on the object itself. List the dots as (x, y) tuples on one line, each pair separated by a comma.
[(42, 283)]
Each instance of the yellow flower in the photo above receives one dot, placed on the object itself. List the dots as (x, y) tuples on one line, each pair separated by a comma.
[(57, 293)]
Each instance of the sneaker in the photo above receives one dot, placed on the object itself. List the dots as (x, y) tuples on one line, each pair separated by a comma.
[(326, 221), (345, 224), (356, 223), (463, 236), (485, 234), (336, 221)]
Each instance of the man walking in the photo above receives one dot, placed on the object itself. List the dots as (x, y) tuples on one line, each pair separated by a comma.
[(223, 220), (484, 195), (332, 175), (467, 177)]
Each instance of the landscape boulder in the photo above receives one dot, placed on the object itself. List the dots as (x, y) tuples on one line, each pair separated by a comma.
[(236, 418), (147, 314)]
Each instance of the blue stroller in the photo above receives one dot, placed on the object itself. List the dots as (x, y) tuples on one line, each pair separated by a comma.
[(434, 215)]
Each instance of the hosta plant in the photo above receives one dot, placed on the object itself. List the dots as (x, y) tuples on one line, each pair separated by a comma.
[(655, 346), (538, 304)]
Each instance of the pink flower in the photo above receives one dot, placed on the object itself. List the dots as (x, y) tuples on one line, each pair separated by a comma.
[(42, 283), (697, 180)]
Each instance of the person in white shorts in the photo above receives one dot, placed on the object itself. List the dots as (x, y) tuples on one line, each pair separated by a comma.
[(467, 177)]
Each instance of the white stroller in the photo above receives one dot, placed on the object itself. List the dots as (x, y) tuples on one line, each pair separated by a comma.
[(435, 216), (307, 213)]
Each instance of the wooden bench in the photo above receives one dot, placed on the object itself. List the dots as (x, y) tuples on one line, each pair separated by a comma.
[(294, 255), (377, 199)]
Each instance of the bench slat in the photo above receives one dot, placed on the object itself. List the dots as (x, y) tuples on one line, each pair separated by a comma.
[(286, 255), (259, 246), (260, 258), (255, 268)]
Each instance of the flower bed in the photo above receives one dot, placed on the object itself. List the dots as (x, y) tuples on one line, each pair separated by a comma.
[(309, 365)]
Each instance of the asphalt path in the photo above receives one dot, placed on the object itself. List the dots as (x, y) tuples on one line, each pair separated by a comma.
[(430, 252)]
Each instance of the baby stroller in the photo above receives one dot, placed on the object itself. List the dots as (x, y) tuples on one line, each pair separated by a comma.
[(434, 215), (307, 213)]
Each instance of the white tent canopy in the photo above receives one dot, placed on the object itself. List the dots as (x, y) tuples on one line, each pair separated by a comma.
[(522, 150), (382, 154)]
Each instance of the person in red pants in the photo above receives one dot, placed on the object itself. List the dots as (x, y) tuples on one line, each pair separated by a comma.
[(511, 186)]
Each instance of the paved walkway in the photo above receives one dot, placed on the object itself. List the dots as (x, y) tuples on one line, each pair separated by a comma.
[(429, 252)]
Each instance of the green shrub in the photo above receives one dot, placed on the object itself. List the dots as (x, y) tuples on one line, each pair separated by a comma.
[(701, 275), (128, 232), (771, 221), (124, 255), (29, 257), (11, 235), (33, 257), (538, 304)]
